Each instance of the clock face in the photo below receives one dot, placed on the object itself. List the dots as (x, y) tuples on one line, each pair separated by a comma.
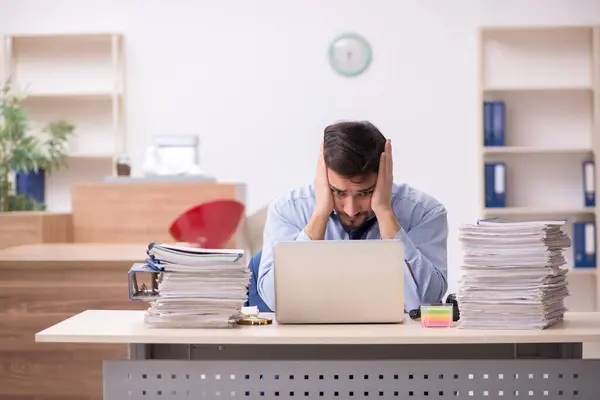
[(350, 55)]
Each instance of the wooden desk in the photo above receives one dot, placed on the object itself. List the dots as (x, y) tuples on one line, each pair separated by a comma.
[(124, 326), (73, 255), (43, 284), (338, 361)]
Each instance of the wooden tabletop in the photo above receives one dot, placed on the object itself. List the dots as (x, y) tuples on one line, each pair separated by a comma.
[(119, 326), (72, 254)]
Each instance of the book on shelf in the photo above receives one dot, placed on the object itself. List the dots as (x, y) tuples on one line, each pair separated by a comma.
[(584, 244), (495, 184), (494, 118), (589, 184)]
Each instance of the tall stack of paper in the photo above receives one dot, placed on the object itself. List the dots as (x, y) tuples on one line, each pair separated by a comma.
[(197, 287), (513, 275)]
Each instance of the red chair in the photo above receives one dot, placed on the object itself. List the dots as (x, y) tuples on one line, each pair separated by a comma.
[(209, 224)]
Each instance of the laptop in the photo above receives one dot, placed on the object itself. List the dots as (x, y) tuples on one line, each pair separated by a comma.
[(339, 281)]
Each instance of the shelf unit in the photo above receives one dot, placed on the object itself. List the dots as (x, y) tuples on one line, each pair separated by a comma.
[(79, 78), (549, 80)]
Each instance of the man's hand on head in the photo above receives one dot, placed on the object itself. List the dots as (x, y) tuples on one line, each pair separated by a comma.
[(381, 202), (323, 194), (316, 227)]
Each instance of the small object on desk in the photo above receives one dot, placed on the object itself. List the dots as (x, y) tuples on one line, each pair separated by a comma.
[(436, 315), (250, 311), (414, 314), (451, 299), (254, 320)]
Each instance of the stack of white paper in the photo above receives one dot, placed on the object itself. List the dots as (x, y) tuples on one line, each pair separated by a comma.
[(513, 276), (197, 287)]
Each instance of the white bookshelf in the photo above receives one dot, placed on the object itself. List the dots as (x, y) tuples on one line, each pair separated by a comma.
[(541, 149), (549, 80), (79, 78)]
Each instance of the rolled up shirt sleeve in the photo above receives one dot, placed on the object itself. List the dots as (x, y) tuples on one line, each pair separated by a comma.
[(279, 226), (425, 250)]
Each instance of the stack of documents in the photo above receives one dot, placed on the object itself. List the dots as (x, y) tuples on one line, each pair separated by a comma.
[(513, 275), (197, 287)]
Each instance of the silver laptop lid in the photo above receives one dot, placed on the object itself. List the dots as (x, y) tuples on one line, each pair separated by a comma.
[(339, 281)]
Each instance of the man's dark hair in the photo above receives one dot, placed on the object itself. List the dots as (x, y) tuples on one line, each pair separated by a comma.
[(353, 149)]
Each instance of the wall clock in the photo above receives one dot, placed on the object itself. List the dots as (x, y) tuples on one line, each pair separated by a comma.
[(350, 54)]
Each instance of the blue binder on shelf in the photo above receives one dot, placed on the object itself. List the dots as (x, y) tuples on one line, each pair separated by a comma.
[(584, 244), (589, 184), (488, 138), (495, 184), (498, 122), (494, 122)]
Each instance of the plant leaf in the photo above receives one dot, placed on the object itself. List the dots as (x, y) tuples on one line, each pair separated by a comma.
[(23, 151)]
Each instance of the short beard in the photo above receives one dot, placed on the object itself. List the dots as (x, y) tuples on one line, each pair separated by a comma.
[(363, 216)]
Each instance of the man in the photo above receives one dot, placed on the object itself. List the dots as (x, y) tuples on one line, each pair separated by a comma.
[(354, 197)]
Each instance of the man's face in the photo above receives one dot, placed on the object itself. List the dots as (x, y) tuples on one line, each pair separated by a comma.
[(352, 197)]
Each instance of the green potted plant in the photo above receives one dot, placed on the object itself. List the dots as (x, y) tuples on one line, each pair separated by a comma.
[(23, 152)]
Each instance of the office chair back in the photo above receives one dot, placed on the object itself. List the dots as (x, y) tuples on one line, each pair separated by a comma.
[(209, 224), (254, 298)]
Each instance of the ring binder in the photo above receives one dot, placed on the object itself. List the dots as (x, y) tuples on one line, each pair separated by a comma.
[(584, 244), (190, 287), (589, 186), (495, 184)]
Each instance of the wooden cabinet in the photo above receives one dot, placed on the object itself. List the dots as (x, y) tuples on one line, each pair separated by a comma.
[(42, 285), (137, 212), (24, 227)]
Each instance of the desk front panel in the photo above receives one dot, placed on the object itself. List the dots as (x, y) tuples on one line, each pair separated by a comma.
[(363, 379)]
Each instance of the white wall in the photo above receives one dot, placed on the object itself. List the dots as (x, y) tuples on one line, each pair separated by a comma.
[(252, 79)]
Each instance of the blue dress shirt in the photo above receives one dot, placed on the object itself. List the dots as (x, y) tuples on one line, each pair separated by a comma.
[(424, 232)]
